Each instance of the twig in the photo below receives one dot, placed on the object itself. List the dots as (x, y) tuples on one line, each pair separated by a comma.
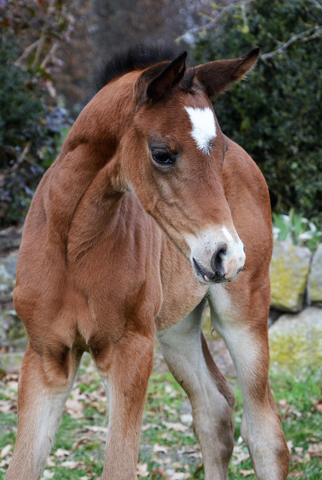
[(214, 20), (26, 53), (49, 55), (40, 48), (305, 36), (316, 3)]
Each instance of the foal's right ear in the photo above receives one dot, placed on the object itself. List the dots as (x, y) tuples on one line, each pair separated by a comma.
[(217, 76), (156, 81)]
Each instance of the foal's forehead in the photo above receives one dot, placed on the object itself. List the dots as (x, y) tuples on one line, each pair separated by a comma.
[(203, 125)]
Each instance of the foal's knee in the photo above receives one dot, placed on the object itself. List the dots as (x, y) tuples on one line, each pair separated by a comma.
[(51, 368)]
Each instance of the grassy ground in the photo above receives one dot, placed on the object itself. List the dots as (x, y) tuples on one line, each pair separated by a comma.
[(168, 446)]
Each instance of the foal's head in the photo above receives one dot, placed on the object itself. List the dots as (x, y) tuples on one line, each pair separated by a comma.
[(172, 159)]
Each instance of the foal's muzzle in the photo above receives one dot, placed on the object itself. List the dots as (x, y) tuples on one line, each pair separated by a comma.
[(217, 257)]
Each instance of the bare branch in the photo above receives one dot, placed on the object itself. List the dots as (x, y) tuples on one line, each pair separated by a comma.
[(213, 21), (305, 36), (49, 55), (26, 53), (316, 3)]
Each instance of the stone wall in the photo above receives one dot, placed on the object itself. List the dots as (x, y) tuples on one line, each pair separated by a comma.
[(296, 277)]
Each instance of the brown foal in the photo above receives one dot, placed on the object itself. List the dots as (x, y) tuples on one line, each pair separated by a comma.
[(131, 231)]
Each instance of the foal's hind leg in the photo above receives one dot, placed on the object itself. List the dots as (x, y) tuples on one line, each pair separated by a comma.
[(186, 353), (125, 368), (44, 385), (240, 314)]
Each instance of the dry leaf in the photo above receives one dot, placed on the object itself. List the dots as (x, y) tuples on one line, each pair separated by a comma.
[(69, 464), (239, 455), (178, 427), (74, 408), (60, 452), (318, 405), (142, 469), (95, 429), (5, 451), (315, 450), (186, 418), (246, 473), (160, 448), (81, 441), (48, 474), (180, 476)]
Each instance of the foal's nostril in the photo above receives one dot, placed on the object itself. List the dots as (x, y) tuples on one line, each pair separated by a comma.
[(217, 258)]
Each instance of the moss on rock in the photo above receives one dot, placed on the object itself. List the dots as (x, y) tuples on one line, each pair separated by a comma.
[(296, 340), (289, 270)]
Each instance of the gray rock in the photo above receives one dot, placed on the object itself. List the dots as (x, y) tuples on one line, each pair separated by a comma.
[(8, 267), (12, 330), (289, 270), (315, 277), (296, 340), (10, 362), (10, 238)]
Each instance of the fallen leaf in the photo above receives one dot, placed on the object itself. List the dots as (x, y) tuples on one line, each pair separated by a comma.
[(60, 452), (48, 474), (315, 450), (5, 451), (318, 405), (74, 408), (69, 464), (81, 441), (239, 455), (186, 418), (246, 473), (178, 427), (142, 469), (160, 448)]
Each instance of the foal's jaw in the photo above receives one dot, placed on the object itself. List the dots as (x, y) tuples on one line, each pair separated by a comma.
[(217, 256)]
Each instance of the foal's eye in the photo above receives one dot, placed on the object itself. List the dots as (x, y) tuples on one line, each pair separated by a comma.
[(163, 157)]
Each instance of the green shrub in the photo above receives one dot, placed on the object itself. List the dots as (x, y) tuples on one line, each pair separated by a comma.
[(296, 229), (29, 133), (276, 113)]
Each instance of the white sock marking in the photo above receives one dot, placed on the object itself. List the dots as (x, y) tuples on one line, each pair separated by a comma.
[(203, 127)]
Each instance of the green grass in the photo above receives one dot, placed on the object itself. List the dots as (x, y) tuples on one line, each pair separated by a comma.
[(168, 444)]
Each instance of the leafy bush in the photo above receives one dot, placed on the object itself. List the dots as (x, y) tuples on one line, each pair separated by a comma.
[(276, 114), (31, 118), (296, 229)]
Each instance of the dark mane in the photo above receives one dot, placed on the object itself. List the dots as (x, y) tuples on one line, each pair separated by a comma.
[(137, 57)]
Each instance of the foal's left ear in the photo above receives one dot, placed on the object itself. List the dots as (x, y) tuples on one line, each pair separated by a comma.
[(157, 80), (218, 75)]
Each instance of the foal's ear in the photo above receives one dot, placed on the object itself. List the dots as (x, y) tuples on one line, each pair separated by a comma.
[(218, 75), (157, 80)]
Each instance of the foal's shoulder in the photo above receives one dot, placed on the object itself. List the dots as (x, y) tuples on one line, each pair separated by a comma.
[(239, 167)]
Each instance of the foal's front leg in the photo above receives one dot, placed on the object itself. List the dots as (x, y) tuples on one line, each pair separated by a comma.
[(125, 368), (240, 316), (211, 397)]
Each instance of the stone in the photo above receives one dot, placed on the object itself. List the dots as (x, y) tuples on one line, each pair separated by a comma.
[(12, 330), (8, 267), (10, 362), (10, 238), (315, 278), (289, 270), (296, 339)]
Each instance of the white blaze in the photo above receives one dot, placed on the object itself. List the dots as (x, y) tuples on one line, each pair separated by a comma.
[(203, 127)]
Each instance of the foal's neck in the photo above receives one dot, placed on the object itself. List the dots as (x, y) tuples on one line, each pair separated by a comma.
[(83, 185)]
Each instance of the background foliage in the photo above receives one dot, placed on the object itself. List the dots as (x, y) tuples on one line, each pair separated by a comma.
[(276, 113), (49, 51), (31, 117)]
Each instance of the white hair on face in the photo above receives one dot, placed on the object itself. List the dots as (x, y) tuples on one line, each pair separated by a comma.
[(203, 127)]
